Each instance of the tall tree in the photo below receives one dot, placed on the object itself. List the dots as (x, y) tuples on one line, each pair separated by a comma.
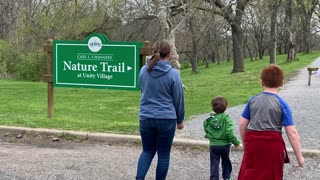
[(306, 9), (256, 28), (198, 25), (233, 13), (273, 7), (195, 49), (316, 21), (8, 17), (291, 45), (167, 31), (171, 16)]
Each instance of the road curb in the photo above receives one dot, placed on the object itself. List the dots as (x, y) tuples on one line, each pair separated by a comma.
[(123, 138)]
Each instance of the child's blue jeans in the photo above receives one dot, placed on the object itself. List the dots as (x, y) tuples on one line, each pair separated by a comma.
[(157, 136), (217, 153)]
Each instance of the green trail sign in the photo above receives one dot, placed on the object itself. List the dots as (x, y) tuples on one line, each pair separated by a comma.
[(96, 63)]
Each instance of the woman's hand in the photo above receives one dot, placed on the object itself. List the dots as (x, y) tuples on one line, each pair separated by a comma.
[(180, 126)]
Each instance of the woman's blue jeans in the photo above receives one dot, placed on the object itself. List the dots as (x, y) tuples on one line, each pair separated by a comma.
[(157, 136)]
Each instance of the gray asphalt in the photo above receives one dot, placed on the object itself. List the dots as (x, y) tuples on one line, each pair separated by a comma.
[(30, 153)]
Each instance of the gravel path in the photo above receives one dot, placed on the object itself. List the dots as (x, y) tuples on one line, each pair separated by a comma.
[(39, 160), (304, 101), (105, 161)]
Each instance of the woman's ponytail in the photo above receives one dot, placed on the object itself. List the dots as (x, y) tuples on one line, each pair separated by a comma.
[(154, 59), (160, 50)]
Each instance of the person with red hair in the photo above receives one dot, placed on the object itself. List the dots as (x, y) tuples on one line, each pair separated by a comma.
[(260, 127)]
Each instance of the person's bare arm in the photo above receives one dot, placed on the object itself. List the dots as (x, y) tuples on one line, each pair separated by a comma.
[(294, 140), (243, 128)]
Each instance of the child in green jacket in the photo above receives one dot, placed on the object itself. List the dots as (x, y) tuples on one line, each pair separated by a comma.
[(218, 128)]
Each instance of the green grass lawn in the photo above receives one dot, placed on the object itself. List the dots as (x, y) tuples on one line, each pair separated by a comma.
[(116, 111)]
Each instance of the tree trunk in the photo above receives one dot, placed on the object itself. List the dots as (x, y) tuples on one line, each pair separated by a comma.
[(291, 50), (213, 55), (280, 49), (307, 8), (234, 18), (273, 31), (291, 44), (261, 52), (217, 54), (167, 33), (273, 40), (237, 37), (260, 43), (232, 13), (194, 59), (228, 50), (174, 58), (206, 62), (244, 51), (249, 52), (307, 35)]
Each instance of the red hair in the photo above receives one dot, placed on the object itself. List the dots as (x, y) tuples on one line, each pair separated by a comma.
[(272, 76)]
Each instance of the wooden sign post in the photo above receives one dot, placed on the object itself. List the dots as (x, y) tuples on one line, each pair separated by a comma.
[(48, 77)]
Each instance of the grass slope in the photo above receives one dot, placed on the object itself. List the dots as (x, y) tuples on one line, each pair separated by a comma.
[(96, 110)]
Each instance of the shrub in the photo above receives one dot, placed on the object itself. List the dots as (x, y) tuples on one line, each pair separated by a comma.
[(9, 58), (185, 65), (32, 66)]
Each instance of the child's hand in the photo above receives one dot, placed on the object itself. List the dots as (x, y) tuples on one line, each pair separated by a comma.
[(300, 161), (238, 146)]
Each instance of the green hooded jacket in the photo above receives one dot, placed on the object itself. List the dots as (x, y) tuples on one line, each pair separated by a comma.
[(218, 129)]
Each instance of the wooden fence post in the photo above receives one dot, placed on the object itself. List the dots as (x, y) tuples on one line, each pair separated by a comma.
[(144, 52), (48, 77)]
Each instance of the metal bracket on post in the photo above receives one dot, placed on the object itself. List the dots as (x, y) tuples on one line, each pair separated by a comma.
[(310, 72)]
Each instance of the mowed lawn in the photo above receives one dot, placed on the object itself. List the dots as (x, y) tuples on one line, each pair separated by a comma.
[(116, 111)]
